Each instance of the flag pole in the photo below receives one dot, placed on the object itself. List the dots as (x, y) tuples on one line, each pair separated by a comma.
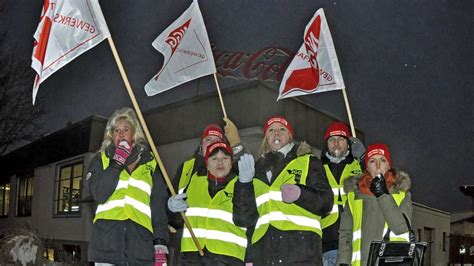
[(349, 114), (148, 137), (220, 95)]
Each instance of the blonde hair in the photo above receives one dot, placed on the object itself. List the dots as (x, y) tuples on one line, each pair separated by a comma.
[(123, 114)]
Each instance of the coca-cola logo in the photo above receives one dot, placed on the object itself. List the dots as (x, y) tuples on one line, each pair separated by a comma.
[(267, 64)]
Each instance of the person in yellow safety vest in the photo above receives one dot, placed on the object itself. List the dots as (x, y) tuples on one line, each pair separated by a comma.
[(130, 223), (208, 206), (339, 163), (211, 133), (284, 201), (378, 202)]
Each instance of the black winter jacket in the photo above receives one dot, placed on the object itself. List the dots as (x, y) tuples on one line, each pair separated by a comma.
[(331, 233), (125, 242), (285, 247)]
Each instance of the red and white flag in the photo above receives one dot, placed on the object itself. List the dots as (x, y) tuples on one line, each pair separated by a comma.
[(66, 30), (315, 67), (188, 55)]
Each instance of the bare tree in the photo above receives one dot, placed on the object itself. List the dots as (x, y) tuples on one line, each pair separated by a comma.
[(18, 117)]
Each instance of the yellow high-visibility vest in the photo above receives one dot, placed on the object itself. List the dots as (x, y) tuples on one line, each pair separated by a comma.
[(131, 198), (340, 195), (211, 220), (284, 216), (186, 175), (356, 206)]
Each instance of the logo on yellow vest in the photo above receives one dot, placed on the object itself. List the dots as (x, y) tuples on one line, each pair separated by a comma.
[(297, 173)]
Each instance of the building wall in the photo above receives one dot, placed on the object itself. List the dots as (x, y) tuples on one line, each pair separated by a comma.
[(49, 224), (247, 107), (425, 219), (464, 228), (54, 230)]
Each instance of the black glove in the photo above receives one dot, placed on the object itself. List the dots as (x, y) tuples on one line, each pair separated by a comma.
[(378, 186)]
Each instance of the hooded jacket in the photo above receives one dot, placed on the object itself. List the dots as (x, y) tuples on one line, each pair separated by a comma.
[(376, 212), (277, 246)]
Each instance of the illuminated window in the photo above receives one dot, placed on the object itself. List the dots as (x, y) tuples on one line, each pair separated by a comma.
[(68, 184), (25, 196), (4, 199), (48, 254)]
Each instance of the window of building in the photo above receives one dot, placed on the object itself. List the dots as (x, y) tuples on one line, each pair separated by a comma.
[(4, 199), (71, 254), (445, 235), (25, 196), (68, 184)]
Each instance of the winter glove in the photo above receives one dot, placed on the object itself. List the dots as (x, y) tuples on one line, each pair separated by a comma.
[(122, 152), (357, 148), (290, 192), (246, 168), (135, 154), (378, 186), (177, 203), (231, 132), (160, 255)]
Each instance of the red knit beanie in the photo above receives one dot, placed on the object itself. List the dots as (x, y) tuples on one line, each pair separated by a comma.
[(378, 149), (337, 129), (277, 119), (217, 145), (212, 130)]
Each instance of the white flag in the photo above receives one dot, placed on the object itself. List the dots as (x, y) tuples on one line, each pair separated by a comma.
[(188, 55), (315, 67), (66, 30)]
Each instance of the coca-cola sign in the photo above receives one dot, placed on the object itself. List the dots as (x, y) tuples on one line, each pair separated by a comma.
[(266, 64)]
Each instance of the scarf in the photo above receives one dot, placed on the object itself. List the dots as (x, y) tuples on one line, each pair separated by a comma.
[(336, 160), (365, 181), (215, 179)]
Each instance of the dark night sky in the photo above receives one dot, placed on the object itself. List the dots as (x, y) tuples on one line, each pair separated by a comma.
[(407, 66)]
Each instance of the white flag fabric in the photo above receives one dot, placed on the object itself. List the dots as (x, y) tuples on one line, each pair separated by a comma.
[(66, 30), (188, 55), (315, 67)]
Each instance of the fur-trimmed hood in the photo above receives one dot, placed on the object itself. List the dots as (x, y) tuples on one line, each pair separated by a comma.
[(303, 148), (402, 182), (276, 161)]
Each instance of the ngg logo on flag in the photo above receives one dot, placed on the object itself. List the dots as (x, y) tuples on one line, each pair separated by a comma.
[(315, 67), (187, 52)]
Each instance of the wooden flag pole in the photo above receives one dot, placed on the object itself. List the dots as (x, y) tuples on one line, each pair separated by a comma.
[(349, 114), (148, 137), (220, 95)]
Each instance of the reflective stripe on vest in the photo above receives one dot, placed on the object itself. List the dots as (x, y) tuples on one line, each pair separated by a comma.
[(356, 208), (131, 198), (283, 216), (211, 220), (186, 174), (356, 227), (338, 190), (404, 237)]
